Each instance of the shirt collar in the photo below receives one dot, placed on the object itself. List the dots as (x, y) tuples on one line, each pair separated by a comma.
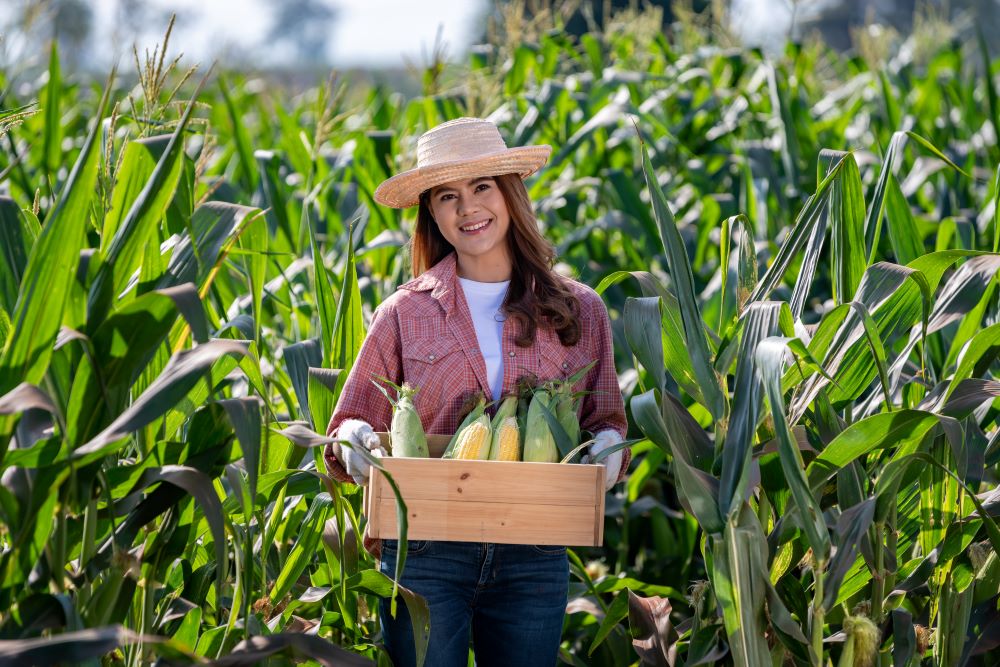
[(438, 279)]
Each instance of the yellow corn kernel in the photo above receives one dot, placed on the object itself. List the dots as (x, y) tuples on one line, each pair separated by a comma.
[(474, 443), (506, 445)]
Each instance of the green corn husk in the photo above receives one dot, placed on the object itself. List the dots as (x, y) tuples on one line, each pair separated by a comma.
[(539, 445), (474, 414), (406, 434), (564, 408)]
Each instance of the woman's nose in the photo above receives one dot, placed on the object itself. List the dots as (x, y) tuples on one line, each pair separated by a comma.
[(467, 205)]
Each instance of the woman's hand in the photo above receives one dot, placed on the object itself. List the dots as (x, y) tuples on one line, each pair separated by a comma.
[(612, 462), (360, 435)]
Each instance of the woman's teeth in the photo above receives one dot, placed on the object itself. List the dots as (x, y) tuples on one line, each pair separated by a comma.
[(475, 227)]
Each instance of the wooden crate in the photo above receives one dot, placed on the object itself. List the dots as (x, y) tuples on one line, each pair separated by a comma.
[(503, 502)]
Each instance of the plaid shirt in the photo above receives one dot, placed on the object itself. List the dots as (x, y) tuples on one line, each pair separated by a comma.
[(423, 334)]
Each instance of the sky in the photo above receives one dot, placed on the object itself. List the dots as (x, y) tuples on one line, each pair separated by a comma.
[(366, 32), (381, 33)]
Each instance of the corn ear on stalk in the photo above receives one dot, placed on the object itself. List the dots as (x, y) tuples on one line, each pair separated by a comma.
[(506, 440), (477, 411), (474, 440), (406, 433), (539, 445)]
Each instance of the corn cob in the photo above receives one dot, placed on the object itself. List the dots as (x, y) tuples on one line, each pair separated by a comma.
[(406, 433), (474, 440), (506, 441), (539, 445), (507, 410), (474, 414)]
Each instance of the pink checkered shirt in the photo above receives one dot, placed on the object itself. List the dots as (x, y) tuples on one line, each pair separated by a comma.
[(423, 334)]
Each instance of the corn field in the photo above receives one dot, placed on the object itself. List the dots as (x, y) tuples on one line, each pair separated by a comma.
[(799, 253)]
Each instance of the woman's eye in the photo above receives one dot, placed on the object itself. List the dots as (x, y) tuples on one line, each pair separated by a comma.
[(482, 186)]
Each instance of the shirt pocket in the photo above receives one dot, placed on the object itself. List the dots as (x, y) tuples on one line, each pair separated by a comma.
[(558, 361), (439, 368)]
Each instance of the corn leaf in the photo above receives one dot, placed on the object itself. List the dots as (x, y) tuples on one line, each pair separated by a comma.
[(51, 270), (680, 270), (770, 354)]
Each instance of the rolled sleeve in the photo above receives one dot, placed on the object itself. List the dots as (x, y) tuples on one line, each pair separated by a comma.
[(603, 408), (379, 356)]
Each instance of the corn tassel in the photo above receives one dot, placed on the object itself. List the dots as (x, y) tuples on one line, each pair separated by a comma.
[(474, 441), (506, 441)]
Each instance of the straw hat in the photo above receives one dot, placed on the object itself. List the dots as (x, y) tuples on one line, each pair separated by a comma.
[(460, 148)]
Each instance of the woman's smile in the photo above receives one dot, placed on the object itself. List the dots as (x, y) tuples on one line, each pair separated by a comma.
[(476, 226)]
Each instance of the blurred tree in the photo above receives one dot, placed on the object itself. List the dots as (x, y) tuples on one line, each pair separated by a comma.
[(70, 22), (580, 16), (304, 26), (837, 20)]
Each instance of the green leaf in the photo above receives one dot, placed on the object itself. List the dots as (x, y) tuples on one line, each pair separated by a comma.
[(807, 218), (770, 354), (903, 431), (348, 326), (124, 253), (17, 235), (873, 224), (617, 610), (122, 347), (852, 526), (244, 414), (680, 271), (138, 161), (51, 269), (52, 133), (240, 137), (306, 544), (641, 318), (182, 373), (847, 219), (760, 321), (737, 583)]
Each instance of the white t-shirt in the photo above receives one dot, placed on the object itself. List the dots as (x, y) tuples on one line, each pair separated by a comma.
[(484, 301)]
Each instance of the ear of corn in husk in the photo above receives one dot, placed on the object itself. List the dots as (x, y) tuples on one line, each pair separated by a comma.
[(475, 413), (406, 433), (474, 440), (563, 406), (539, 445), (506, 441), (508, 408)]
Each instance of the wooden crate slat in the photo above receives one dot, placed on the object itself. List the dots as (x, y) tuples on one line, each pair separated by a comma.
[(494, 481), (488, 522)]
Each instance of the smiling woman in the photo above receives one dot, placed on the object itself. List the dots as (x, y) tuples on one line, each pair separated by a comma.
[(484, 311)]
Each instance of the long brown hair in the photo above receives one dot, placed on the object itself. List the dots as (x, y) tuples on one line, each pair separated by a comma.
[(536, 293)]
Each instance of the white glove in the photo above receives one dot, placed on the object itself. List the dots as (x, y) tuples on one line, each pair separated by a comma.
[(359, 434), (612, 462)]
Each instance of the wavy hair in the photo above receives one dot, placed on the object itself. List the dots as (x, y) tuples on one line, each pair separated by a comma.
[(537, 295)]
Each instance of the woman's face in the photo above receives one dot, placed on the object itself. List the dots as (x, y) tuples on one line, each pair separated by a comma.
[(472, 215)]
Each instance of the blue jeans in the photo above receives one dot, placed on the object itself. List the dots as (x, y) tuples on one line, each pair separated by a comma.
[(511, 597)]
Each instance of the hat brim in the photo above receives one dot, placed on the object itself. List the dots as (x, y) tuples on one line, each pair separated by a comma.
[(403, 190)]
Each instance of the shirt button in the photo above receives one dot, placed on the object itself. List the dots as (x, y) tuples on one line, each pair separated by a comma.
[(512, 354), (565, 365), (430, 357)]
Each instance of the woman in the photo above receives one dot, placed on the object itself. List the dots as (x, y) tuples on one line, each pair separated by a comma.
[(484, 309)]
